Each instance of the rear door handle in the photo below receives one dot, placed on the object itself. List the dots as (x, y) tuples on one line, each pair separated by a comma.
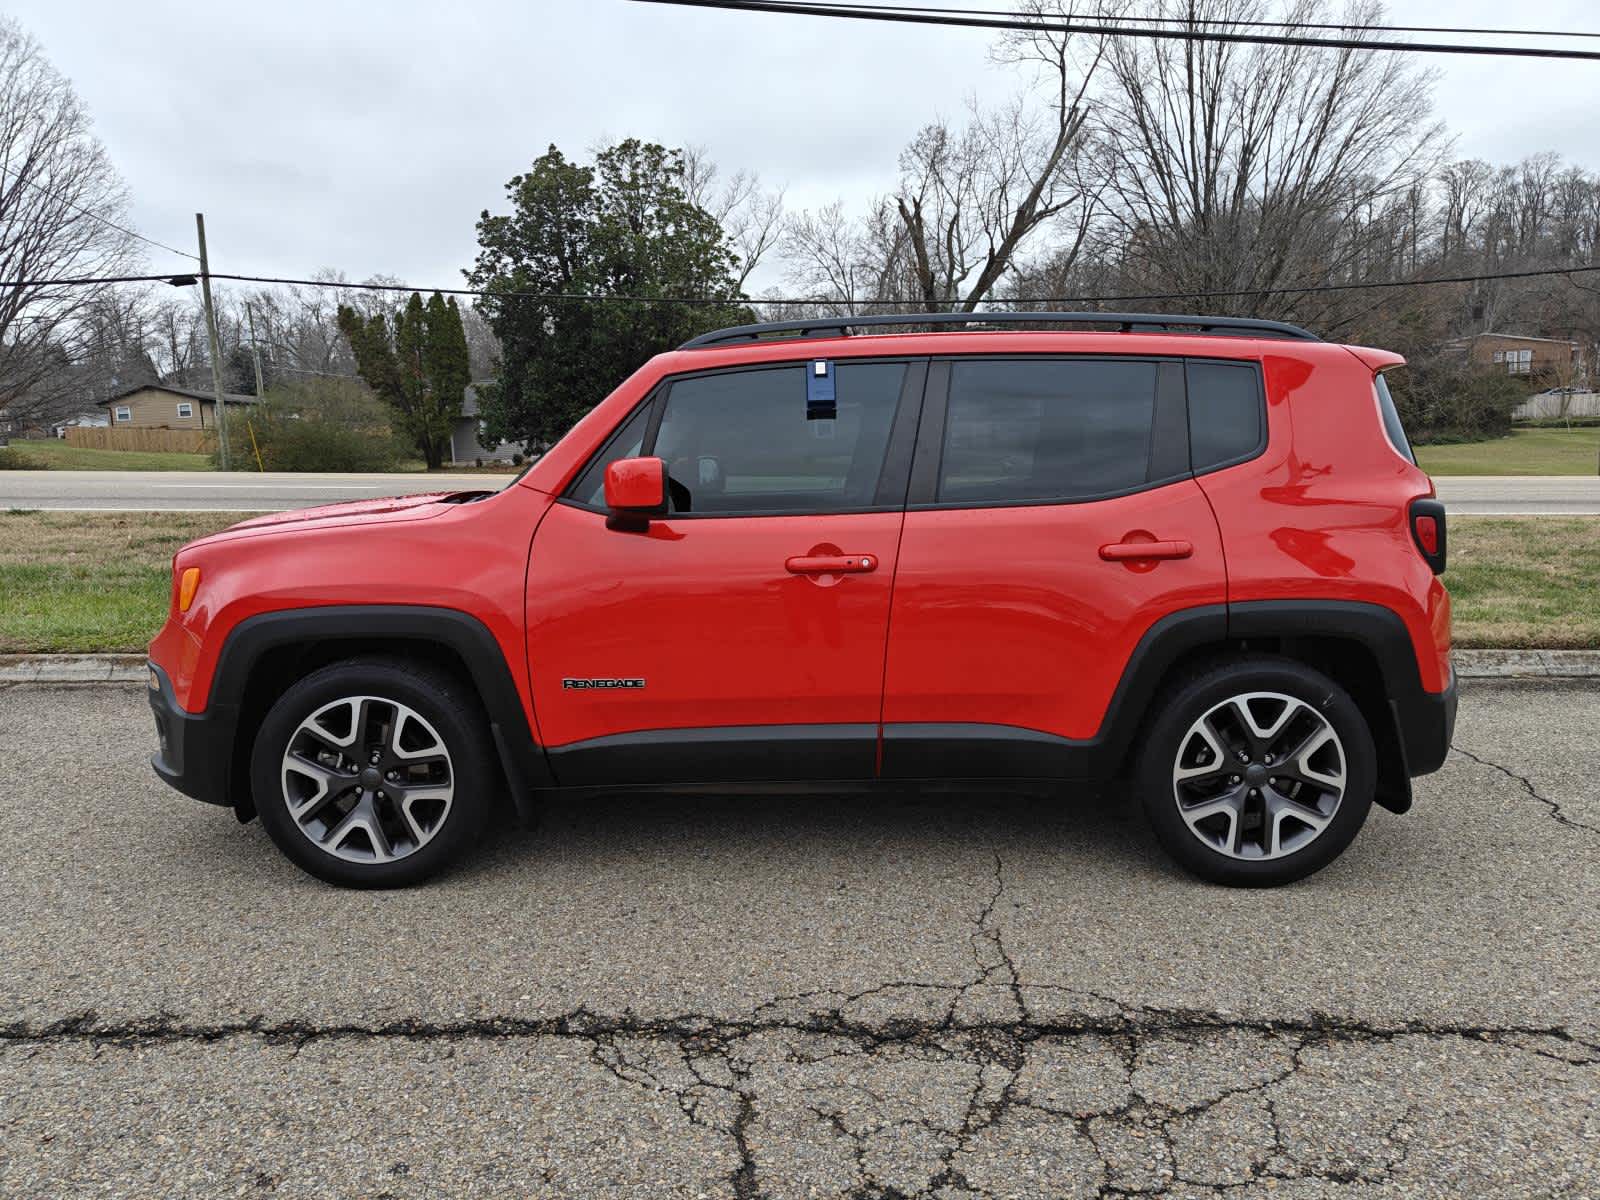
[(1124, 551), (830, 564)]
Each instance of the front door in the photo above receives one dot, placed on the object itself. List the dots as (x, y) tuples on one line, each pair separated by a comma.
[(741, 637)]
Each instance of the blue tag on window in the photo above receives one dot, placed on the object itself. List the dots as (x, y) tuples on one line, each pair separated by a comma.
[(821, 404)]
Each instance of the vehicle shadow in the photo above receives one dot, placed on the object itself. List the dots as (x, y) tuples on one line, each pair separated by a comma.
[(1094, 825)]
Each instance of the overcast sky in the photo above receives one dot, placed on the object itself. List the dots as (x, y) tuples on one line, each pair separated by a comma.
[(368, 137)]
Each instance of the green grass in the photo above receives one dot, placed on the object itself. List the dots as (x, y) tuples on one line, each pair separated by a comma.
[(87, 582), (100, 581), (1525, 452), (55, 454), (1525, 581)]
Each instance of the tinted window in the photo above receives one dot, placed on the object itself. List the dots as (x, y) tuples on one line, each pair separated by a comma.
[(741, 441), (1224, 413), (628, 443), (1391, 421), (1046, 429)]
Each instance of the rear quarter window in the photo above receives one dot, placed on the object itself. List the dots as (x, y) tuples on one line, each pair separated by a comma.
[(1226, 413), (1391, 421)]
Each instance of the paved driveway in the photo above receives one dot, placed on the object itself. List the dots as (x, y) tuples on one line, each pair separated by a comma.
[(715, 996)]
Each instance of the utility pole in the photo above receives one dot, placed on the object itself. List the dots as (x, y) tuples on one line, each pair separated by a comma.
[(216, 345), (255, 346)]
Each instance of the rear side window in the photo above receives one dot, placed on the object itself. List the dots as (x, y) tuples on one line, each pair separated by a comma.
[(1225, 413), (1391, 421), (1046, 429), (746, 441)]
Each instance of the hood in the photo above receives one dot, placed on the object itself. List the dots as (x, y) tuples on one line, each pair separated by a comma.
[(384, 506)]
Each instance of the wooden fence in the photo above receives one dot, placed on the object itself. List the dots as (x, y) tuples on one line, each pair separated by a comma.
[(184, 441)]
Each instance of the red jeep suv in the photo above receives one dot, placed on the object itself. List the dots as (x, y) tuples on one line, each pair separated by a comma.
[(1192, 552)]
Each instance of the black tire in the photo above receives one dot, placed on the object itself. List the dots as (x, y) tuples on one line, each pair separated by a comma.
[(1195, 696), (444, 703)]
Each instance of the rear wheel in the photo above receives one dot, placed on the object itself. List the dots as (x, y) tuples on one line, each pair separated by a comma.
[(373, 773), (1258, 772)]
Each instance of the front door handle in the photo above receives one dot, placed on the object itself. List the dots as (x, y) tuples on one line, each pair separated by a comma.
[(830, 564), (1126, 551)]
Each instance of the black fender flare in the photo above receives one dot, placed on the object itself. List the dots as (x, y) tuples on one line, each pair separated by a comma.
[(1423, 722), (394, 625)]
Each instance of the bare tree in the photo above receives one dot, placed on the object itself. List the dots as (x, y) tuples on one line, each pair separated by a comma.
[(973, 198), (751, 217), (849, 266), (60, 204), (1246, 169)]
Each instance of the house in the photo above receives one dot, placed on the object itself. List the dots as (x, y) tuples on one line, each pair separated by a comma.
[(164, 406), (465, 446), (1520, 354), (94, 419)]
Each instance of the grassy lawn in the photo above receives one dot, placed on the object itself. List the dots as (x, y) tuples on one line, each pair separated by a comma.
[(100, 581), (90, 581), (1525, 452), (55, 454), (1525, 581)]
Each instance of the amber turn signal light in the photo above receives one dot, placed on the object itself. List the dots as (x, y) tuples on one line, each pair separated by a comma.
[(187, 584)]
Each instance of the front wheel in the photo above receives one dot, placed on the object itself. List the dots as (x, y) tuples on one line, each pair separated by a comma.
[(1258, 772), (373, 772)]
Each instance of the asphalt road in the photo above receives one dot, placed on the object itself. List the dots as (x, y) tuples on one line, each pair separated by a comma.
[(233, 491), (246, 492), (720, 997)]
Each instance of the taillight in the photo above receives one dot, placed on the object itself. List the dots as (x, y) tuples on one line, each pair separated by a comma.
[(1428, 532)]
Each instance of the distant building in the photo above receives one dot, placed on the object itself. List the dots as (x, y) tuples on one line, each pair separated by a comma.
[(1519, 354), (163, 406), (465, 446), (96, 419)]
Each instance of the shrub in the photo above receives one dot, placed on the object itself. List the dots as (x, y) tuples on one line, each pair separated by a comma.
[(328, 425), (12, 459), (1442, 400)]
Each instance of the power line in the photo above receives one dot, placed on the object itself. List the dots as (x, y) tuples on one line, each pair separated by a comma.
[(20, 178), (1308, 289), (1145, 19), (951, 17)]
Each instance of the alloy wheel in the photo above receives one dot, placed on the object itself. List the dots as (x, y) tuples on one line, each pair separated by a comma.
[(367, 779), (1259, 776)]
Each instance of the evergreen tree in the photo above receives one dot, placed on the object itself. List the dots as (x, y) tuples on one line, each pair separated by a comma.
[(622, 228), (420, 371)]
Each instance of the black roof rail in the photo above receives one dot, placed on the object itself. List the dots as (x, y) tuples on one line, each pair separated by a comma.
[(1126, 323)]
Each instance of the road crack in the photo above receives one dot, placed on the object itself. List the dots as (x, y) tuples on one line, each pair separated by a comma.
[(1527, 784)]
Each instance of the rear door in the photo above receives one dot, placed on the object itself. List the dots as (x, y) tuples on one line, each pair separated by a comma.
[(1053, 518), (741, 637)]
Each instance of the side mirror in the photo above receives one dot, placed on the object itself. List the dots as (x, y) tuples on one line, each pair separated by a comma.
[(637, 487)]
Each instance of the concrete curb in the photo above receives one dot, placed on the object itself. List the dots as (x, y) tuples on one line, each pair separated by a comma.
[(1469, 664), (1527, 664), (72, 668)]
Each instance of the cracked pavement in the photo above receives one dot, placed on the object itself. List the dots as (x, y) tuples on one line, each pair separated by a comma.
[(991, 995)]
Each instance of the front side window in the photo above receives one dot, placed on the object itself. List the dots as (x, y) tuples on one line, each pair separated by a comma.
[(747, 441), (186, 411), (628, 442), (1046, 430), (124, 413)]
